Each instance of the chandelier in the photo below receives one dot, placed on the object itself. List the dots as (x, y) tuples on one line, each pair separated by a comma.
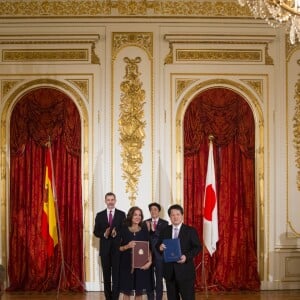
[(277, 13)]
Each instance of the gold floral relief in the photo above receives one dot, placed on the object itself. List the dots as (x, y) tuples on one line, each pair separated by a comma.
[(23, 55), (156, 8), (296, 131), (201, 8), (143, 40), (132, 126), (256, 85), (219, 55), (82, 85), (133, 8), (181, 85), (8, 85)]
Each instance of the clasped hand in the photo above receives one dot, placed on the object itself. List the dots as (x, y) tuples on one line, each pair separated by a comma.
[(148, 263), (110, 232), (182, 259)]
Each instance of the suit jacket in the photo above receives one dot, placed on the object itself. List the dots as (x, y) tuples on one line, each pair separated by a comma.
[(101, 223), (154, 236), (190, 247)]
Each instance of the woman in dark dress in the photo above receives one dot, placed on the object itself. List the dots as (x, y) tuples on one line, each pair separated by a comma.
[(136, 281)]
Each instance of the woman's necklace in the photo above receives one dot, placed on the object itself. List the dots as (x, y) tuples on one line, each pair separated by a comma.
[(135, 229)]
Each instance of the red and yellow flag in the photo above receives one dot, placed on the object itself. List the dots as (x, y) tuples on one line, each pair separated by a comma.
[(49, 225)]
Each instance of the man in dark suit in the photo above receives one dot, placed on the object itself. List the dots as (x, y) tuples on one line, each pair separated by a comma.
[(180, 275), (108, 223), (155, 225)]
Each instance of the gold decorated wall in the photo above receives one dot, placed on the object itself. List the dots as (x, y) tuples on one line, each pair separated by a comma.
[(132, 67)]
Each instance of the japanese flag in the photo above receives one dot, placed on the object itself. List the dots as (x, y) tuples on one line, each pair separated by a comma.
[(210, 218)]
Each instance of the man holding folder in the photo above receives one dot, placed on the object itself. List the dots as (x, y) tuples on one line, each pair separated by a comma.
[(179, 274)]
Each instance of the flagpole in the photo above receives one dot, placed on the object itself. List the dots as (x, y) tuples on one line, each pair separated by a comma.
[(204, 274), (210, 138), (62, 274), (62, 268)]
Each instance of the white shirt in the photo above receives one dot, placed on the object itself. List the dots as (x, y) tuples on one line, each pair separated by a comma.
[(112, 212), (178, 229)]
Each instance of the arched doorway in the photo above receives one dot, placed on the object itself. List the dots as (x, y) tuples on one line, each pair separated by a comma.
[(223, 113), (44, 114)]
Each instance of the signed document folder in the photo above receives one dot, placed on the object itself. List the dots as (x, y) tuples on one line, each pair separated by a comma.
[(140, 254), (173, 250)]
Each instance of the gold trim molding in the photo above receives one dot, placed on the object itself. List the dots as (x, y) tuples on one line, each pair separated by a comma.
[(225, 55), (125, 8), (296, 130), (62, 51), (40, 55), (251, 49)]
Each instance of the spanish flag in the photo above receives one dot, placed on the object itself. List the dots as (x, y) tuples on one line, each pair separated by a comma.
[(49, 225)]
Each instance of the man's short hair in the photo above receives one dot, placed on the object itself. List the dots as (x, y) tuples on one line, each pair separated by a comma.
[(154, 204), (110, 194), (175, 206)]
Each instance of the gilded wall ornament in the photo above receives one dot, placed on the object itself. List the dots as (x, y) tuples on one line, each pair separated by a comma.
[(268, 59), (256, 85), (23, 55), (128, 8), (132, 126), (219, 55), (7, 85), (181, 85), (169, 58), (198, 48), (82, 85), (296, 130), (143, 40)]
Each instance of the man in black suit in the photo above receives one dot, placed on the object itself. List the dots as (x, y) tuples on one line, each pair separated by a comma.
[(108, 223), (155, 225), (180, 275)]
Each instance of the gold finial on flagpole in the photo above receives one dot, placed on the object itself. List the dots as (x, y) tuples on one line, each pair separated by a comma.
[(211, 137), (48, 143)]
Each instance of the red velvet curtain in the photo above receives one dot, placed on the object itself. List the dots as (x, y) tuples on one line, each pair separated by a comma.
[(227, 116), (40, 115)]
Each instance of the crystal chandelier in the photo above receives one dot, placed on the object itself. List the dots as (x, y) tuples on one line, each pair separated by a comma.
[(276, 13)]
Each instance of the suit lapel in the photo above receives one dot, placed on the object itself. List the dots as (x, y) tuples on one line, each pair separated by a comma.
[(181, 231)]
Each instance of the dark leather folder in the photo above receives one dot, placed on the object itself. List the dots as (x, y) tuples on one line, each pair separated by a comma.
[(140, 254), (173, 250)]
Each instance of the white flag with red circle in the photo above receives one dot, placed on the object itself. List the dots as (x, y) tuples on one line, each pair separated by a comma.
[(210, 216)]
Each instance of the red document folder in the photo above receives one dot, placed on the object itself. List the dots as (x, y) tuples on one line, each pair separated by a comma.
[(140, 254)]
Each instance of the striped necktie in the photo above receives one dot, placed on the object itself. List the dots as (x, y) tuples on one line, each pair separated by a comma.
[(175, 232)]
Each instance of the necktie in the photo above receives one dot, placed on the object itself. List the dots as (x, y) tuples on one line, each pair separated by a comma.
[(175, 232), (154, 225), (110, 217)]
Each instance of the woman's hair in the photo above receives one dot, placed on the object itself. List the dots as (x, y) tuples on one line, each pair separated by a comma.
[(130, 214)]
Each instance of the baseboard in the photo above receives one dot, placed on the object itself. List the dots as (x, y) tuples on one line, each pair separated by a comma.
[(280, 285), (93, 287)]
